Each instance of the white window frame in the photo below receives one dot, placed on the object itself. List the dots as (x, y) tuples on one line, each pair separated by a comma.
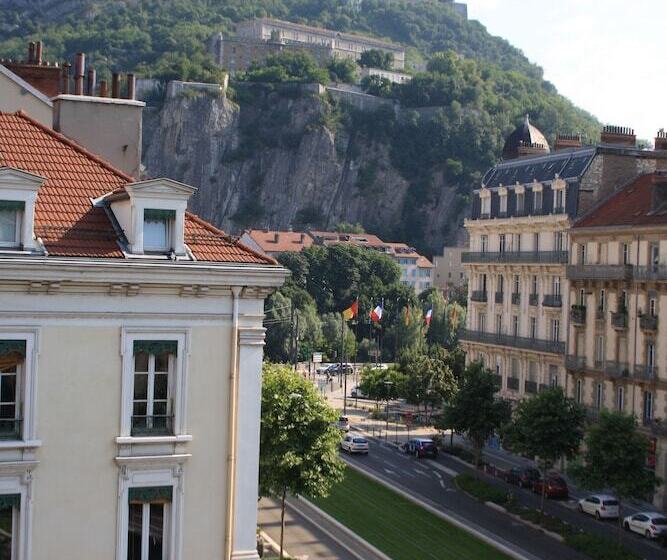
[(515, 325), (484, 243), (20, 186), (148, 473), (17, 479), (647, 405), (625, 253), (555, 330), (169, 228), (555, 285), (502, 201), (179, 382), (533, 327)]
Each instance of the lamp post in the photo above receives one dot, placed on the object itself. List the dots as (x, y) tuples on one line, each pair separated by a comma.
[(387, 385)]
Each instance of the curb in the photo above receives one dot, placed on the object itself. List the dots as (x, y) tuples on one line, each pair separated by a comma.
[(512, 553), (348, 532), (520, 519), (273, 545)]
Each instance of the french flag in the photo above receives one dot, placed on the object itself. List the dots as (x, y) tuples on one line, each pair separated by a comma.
[(376, 314), (427, 317)]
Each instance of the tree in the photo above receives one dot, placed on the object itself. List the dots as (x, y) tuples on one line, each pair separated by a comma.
[(342, 70), (374, 58), (288, 66), (298, 440), (381, 384), (331, 331), (549, 426), (615, 458), (474, 411), (345, 227), (377, 85)]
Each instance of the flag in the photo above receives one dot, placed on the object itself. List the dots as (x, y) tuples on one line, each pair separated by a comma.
[(351, 311), (427, 317), (376, 314), (407, 315)]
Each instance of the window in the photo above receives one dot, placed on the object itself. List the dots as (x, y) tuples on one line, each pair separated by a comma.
[(620, 399), (652, 307), (10, 223), (555, 285), (515, 325), (501, 284), (537, 201), (484, 243), (598, 396), (555, 330), (599, 348), (579, 391), (533, 285), (559, 200), (582, 297), (553, 375), (10, 379), (654, 256), (485, 202), (626, 253), (157, 230), (148, 523), (558, 241), (623, 301), (582, 253), (533, 327), (515, 368), (520, 198), (482, 322), (503, 204), (648, 406), (536, 241), (502, 245), (151, 403), (482, 282), (9, 525), (16, 395), (517, 242), (650, 354), (499, 324), (517, 283), (602, 303)]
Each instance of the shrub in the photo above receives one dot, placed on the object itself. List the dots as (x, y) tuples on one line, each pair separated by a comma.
[(599, 548), (481, 489), (460, 452)]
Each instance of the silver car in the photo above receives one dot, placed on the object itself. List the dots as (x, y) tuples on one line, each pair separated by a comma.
[(651, 524), (600, 505)]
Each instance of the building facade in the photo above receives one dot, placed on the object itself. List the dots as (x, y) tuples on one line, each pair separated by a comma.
[(448, 269), (617, 344), (130, 363), (518, 298)]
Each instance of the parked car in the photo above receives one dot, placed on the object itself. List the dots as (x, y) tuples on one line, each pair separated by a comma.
[(354, 444), (651, 524), (556, 487), (600, 505), (343, 423), (421, 447), (523, 477), (357, 393)]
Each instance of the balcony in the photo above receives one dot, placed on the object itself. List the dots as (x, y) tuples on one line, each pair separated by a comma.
[(478, 295), (157, 425), (600, 314), (533, 300), (644, 273), (513, 383), (485, 216), (619, 320), (498, 381), (599, 272), (530, 387), (516, 299), (532, 257), (536, 344), (592, 413), (578, 315), (552, 300), (10, 429), (645, 373), (648, 323), (575, 363), (499, 297), (617, 370)]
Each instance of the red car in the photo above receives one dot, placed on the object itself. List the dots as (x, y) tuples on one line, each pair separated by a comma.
[(556, 487)]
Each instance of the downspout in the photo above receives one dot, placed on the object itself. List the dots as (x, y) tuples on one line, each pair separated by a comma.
[(232, 423), (636, 286)]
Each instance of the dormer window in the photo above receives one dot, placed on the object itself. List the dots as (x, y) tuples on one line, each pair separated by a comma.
[(11, 212), (158, 226)]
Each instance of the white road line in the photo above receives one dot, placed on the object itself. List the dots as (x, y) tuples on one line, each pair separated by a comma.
[(442, 483), (446, 470), (436, 473), (388, 471), (390, 464), (420, 472)]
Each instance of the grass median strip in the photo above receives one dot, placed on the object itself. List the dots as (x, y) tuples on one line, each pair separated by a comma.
[(396, 526)]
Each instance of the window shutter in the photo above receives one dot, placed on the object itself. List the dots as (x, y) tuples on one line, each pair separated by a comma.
[(151, 494), (11, 205), (154, 214), (155, 346), (8, 347), (10, 500)]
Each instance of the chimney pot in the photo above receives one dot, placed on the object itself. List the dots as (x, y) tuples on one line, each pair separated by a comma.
[(31, 52), (66, 67), (619, 135), (131, 86), (115, 85), (92, 79), (79, 71), (38, 52), (103, 88)]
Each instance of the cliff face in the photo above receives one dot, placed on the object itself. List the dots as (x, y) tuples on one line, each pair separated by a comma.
[(280, 161)]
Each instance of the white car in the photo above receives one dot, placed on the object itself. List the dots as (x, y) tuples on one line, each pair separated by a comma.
[(354, 444), (600, 505), (343, 423), (651, 524)]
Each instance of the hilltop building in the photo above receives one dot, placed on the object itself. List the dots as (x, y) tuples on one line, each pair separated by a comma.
[(258, 38), (130, 362)]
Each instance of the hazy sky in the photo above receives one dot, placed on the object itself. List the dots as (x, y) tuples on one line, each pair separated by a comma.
[(607, 56)]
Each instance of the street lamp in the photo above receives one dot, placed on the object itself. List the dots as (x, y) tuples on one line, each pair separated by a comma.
[(387, 385)]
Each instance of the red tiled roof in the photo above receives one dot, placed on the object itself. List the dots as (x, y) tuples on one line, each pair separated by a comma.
[(629, 206), (280, 241), (65, 218)]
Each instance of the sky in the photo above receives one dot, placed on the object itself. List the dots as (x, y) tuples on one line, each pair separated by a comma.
[(607, 56)]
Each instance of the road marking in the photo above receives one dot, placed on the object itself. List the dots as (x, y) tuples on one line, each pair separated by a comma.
[(418, 471), (388, 471), (390, 464), (446, 470), (436, 473), (442, 483)]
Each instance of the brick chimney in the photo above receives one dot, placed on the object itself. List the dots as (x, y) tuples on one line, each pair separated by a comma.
[(619, 135), (660, 141), (564, 141), (40, 74), (531, 148)]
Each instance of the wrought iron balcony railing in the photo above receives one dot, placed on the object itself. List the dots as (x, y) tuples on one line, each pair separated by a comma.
[(530, 387), (644, 372), (536, 257), (537, 344), (619, 320), (513, 383), (552, 300), (533, 299), (599, 272), (578, 314), (157, 425), (478, 295), (617, 369), (648, 323), (657, 426), (499, 297), (575, 363), (516, 299), (656, 272)]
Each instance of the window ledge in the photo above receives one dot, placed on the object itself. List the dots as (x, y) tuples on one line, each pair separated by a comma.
[(20, 444), (134, 440)]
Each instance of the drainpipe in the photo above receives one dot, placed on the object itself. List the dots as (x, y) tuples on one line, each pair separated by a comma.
[(232, 425), (634, 385)]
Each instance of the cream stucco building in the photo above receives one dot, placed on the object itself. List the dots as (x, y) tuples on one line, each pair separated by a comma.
[(130, 363)]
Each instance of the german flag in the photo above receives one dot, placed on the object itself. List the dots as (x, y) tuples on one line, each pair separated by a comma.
[(351, 311)]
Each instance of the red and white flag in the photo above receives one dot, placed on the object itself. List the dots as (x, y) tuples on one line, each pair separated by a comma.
[(376, 314), (427, 317)]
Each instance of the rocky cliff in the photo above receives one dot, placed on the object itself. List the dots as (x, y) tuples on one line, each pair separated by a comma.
[(292, 160)]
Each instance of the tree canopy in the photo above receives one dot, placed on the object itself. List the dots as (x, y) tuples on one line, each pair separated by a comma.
[(374, 58)]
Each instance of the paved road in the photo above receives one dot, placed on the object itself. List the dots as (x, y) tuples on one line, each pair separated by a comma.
[(431, 480)]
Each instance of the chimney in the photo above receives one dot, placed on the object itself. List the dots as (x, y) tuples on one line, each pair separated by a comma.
[(92, 82), (38, 53), (103, 88), (66, 67), (41, 75), (131, 86), (79, 72), (115, 85), (31, 52), (619, 135), (660, 142), (564, 141), (276, 236), (531, 148)]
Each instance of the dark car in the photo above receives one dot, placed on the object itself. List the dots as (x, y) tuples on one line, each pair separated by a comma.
[(556, 487), (524, 477), (421, 447)]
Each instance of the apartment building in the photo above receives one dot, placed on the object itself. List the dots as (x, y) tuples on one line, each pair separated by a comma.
[(130, 363), (256, 39), (518, 297), (449, 271), (617, 344)]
